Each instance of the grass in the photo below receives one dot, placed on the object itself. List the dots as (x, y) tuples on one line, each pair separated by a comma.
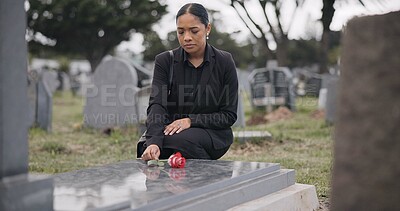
[(70, 147), (302, 143)]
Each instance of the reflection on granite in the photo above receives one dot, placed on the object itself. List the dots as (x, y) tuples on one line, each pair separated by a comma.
[(132, 184)]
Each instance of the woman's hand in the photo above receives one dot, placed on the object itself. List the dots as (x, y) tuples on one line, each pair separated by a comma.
[(177, 126), (152, 152)]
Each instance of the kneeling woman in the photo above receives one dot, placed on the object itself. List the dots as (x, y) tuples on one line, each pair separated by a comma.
[(193, 114)]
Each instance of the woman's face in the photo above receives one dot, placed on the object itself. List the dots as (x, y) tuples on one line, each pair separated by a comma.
[(192, 33)]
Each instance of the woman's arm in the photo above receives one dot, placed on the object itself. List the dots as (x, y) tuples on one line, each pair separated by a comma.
[(157, 113)]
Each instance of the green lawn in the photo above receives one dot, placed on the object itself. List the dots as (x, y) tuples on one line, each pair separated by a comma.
[(302, 143)]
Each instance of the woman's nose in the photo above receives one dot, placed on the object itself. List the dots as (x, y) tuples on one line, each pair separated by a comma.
[(187, 37)]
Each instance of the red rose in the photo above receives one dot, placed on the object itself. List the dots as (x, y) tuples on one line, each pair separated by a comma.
[(176, 160)]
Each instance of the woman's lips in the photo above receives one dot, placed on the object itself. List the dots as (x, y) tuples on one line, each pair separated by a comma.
[(189, 45)]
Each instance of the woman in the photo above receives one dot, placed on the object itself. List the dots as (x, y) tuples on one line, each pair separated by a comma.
[(195, 113)]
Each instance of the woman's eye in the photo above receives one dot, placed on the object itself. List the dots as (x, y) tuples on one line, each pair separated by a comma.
[(195, 32), (179, 32)]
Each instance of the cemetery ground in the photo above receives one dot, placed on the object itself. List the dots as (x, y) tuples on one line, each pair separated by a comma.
[(303, 142)]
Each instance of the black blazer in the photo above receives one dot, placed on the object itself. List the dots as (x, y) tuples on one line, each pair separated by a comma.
[(215, 99)]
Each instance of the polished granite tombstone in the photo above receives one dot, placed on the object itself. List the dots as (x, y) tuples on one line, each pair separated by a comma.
[(201, 185)]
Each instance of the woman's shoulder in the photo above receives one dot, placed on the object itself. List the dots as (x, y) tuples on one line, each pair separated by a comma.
[(221, 53), (165, 54)]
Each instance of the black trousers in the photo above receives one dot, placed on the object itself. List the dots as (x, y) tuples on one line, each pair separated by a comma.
[(192, 143)]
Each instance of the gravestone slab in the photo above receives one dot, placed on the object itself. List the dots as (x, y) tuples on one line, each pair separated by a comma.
[(330, 107), (142, 100), (111, 100), (50, 78), (201, 185), (26, 192), (246, 135), (44, 107), (240, 122), (32, 97), (17, 190), (367, 136), (65, 82), (272, 86)]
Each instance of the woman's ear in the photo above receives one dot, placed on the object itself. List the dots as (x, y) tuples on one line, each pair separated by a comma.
[(208, 28)]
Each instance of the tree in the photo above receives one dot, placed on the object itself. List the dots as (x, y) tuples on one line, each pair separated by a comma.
[(302, 53), (153, 45), (90, 27), (274, 31), (328, 11)]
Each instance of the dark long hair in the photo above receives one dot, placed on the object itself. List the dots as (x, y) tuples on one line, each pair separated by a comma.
[(195, 9)]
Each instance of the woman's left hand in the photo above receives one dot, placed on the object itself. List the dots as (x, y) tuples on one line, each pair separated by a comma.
[(177, 126)]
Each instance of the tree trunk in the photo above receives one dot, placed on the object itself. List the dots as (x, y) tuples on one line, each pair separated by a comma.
[(281, 53), (95, 58), (94, 63), (324, 49), (327, 15)]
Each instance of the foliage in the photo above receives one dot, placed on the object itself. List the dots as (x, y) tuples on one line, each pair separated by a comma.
[(302, 53), (270, 33), (153, 45), (64, 64), (91, 27)]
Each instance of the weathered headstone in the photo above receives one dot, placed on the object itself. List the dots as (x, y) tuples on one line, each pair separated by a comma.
[(65, 82), (50, 78), (331, 102), (313, 85), (18, 190), (111, 100), (142, 99), (367, 148), (272, 89), (240, 122), (32, 97), (44, 106)]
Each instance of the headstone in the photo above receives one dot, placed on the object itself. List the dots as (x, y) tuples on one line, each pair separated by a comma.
[(247, 135), (201, 185), (44, 107), (111, 100), (330, 107), (18, 190), (142, 99), (50, 78), (65, 82), (313, 85), (322, 98), (367, 147), (281, 90), (33, 78), (240, 122), (243, 77)]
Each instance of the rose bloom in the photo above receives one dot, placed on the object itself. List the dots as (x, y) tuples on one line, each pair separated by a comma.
[(176, 160)]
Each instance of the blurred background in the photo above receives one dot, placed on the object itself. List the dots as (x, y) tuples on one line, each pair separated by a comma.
[(71, 37)]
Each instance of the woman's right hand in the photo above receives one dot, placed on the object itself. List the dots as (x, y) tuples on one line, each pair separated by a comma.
[(152, 152)]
